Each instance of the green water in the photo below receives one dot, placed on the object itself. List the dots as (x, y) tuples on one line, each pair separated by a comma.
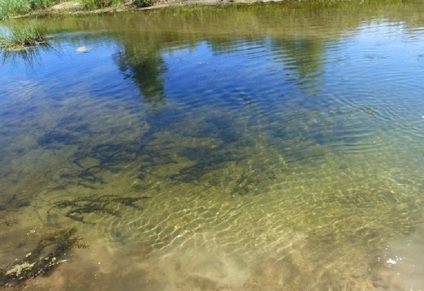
[(264, 147)]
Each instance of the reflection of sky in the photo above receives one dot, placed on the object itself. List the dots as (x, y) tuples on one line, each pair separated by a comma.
[(385, 43), (380, 60), (4, 30), (64, 70), (247, 70), (373, 76)]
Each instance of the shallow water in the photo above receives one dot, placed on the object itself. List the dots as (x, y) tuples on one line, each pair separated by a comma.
[(267, 147)]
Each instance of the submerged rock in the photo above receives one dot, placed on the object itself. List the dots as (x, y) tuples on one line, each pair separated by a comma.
[(83, 49)]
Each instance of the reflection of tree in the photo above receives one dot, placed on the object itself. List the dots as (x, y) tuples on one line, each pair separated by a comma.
[(303, 57), (220, 46), (145, 36), (145, 67), (307, 53)]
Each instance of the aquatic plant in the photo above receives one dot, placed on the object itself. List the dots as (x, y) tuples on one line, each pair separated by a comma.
[(28, 44), (22, 38), (77, 208), (48, 254)]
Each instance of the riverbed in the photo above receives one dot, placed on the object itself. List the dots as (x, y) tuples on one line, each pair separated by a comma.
[(260, 147)]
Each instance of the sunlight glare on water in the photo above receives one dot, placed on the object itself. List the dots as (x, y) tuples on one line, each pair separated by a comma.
[(217, 149)]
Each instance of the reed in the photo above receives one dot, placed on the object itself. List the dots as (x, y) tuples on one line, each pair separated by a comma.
[(21, 38)]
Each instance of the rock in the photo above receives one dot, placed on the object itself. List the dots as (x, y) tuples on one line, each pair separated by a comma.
[(67, 6), (83, 49)]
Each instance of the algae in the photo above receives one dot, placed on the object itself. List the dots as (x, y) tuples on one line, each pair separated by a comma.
[(48, 254), (77, 208)]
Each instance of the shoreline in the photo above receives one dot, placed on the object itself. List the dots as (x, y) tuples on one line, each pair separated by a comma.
[(57, 10)]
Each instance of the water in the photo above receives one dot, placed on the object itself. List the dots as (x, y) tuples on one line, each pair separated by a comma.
[(267, 147)]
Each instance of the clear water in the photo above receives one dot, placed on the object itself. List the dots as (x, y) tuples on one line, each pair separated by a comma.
[(269, 147)]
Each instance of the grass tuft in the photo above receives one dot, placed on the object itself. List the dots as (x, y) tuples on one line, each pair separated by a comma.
[(21, 38)]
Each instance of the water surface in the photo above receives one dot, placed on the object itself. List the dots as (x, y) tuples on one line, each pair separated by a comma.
[(264, 147)]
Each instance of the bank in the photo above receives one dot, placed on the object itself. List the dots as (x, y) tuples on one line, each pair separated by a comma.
[(37, 8)]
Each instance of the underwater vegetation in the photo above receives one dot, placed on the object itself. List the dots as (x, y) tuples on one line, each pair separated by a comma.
[(210, 160), (77, 208), (193, 157), (48, 254), (51, 138)]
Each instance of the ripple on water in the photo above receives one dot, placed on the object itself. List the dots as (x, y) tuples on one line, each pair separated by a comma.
[(290, 160)]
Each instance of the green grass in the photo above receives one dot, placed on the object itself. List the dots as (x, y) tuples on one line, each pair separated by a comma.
[(96, 4), (10, 8), (20, 7)]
